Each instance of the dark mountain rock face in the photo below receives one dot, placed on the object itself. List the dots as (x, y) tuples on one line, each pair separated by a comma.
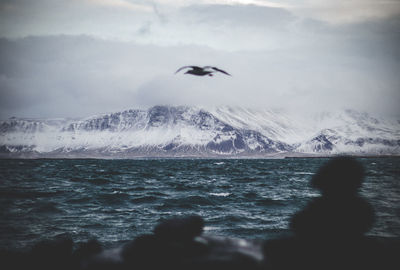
[(322, 143), (27, 126)]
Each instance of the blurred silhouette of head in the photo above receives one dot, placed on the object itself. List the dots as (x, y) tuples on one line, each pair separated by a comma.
[(339, 176)]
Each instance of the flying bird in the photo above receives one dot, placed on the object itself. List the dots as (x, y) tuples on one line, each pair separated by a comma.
[(201, 71)]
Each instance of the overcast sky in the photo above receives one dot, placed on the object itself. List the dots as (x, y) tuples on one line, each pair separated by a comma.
[(73, 58)]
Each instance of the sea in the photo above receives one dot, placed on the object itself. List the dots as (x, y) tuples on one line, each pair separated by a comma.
[(115, 201)]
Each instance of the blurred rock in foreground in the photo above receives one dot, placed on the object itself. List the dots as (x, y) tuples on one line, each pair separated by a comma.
[(180, 244)]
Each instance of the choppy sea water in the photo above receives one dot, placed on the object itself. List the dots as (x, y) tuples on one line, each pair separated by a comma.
[(116, 200)]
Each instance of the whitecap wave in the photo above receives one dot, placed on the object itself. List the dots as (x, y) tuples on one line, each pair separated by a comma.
[(221, 194)]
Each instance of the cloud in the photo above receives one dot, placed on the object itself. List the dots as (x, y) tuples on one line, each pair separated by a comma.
[(347, 11), (277, 58), (73, 76), (122, 19), (214, 24), (101, 18), (120, 4)]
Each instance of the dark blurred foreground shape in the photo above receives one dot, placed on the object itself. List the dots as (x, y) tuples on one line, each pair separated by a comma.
[(174, 244), (329, 233)]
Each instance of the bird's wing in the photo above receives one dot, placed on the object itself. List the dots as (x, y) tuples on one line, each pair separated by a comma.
[(207, 67), (193, 67), (220, 70)]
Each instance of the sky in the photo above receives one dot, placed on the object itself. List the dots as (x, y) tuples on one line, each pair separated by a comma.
[(76, 58)]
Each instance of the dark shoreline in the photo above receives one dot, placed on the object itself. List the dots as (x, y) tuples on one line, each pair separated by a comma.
[(191, 157)]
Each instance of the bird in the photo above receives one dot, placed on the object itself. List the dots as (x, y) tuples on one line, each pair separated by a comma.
[(201, 71)]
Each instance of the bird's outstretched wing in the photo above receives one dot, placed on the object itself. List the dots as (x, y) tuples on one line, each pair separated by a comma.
[(193, 67), (217, 69), (220, 70)]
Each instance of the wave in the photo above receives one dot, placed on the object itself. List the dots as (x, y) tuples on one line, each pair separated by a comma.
[(221, 194)]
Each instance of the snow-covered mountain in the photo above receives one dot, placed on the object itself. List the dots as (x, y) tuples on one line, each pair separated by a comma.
[(167, 131)]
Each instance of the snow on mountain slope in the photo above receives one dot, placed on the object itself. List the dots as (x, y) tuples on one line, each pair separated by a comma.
[(274, 124), (353, 132), (194, 131)]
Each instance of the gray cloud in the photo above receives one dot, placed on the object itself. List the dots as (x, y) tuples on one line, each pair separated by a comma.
[(100, 18), (77, 76), (346, 11), (276, 57), (123, 19), (238, 16)]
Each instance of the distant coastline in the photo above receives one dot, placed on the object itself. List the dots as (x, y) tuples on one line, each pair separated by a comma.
[(213, 157)]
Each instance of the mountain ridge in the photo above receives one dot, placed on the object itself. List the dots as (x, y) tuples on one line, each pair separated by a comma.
[(188, 131)]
